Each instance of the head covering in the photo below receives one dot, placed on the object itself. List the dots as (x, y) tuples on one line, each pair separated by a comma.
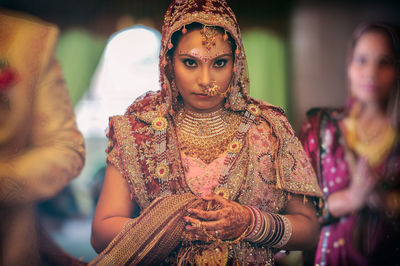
[(209, 13)]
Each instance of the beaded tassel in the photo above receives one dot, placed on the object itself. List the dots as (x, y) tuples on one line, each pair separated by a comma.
[(159, 125)]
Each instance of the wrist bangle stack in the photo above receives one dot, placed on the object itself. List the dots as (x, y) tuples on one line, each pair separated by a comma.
[(287, 232), (269, 229), (257, 224)]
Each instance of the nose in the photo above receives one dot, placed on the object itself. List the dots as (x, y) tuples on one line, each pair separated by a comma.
[(204, 77), (372, 72)]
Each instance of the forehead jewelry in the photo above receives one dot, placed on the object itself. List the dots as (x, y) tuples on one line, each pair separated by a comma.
[(208, 35)]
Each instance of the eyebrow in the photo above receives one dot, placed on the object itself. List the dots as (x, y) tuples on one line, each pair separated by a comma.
[(202, 57)]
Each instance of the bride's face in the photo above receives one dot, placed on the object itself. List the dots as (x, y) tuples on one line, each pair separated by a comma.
[(199, 65)]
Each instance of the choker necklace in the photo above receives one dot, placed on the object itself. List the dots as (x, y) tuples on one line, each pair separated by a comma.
[(206, 135)]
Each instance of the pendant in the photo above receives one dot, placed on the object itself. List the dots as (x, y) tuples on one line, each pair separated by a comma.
[(222, 191)]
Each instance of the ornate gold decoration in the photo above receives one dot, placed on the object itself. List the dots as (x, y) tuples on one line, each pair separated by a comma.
[(213, 89), (206, 136), (222, 191), (159, 123), (208, 35), (218, 255), (162, 171), (253, 109), (375, 146), (235, 146)]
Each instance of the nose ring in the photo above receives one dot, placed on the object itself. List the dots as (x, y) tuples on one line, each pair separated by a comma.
[(212, 90)]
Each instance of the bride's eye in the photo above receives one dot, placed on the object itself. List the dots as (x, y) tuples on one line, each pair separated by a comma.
[(220, 63), (189, 62)]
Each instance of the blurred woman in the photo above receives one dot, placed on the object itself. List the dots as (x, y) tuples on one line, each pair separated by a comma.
[(356, 154)]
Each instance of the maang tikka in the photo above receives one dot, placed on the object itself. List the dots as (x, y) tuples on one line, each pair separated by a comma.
[(208, 35)]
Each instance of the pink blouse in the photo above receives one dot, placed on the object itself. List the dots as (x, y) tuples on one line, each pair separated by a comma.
[(202, 178)]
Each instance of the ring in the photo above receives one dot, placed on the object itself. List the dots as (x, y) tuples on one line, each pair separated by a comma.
[(198, 225)]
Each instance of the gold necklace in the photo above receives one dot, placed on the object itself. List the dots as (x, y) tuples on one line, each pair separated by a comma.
[(370, 132), (374, 146), (206, 135)]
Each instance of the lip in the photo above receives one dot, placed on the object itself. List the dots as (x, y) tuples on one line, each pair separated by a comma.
[(369, 87), (202, 95)]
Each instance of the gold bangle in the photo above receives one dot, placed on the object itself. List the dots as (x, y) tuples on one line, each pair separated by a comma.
[(286, 234), (253, 220), (264, 231)]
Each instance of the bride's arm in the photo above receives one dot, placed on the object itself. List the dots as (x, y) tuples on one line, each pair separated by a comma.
[(113, 209)]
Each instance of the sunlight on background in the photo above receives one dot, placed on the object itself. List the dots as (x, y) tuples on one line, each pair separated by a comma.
[(127, 68)]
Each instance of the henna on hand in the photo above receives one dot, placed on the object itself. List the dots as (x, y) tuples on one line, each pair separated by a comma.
[(226, 223)]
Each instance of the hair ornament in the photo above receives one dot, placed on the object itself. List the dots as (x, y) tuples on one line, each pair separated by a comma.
[(225, 37)]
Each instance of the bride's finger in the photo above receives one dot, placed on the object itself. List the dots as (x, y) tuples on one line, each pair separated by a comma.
[(216, 198), (208, 215)]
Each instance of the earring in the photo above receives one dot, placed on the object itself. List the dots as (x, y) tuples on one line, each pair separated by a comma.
[(173, 86), (226, 93), (174, 93)]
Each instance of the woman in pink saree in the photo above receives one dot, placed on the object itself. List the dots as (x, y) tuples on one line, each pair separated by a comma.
[(199, 173), (355, 152)]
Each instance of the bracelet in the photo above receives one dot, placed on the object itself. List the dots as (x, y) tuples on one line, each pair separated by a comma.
[(272, 229), (266, 230), (253, 221), (257, 226), (287, 232), (269, 229), (280, 232), (275, 233)]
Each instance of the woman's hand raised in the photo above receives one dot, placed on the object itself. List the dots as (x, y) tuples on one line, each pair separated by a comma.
[(362, 184)]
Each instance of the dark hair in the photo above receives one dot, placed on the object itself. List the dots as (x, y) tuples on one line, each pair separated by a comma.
[(391, 31), (176, 36)]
